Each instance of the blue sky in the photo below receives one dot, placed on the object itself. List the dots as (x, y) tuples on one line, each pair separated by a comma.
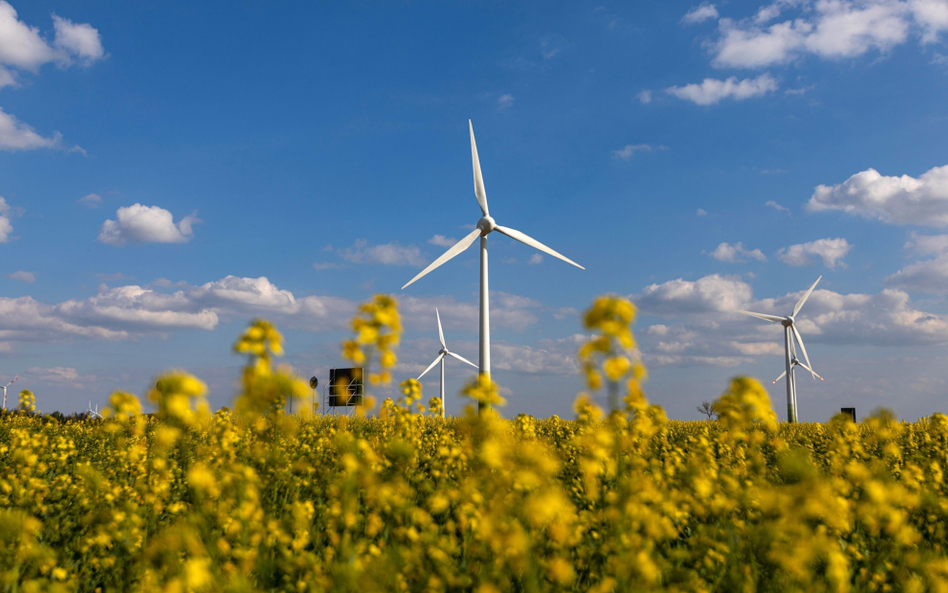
[(169, 172)]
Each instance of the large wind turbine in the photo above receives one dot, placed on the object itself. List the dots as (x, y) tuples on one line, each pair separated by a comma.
[(5, 391), (790, 333), (484, 227), (440, 358)]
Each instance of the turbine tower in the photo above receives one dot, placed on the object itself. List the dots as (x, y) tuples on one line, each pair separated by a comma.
[(440, 358), (485, 226), (790, 333), (5, 391)]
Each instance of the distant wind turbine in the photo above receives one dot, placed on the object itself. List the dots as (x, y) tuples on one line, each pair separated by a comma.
[(440, 358), (94, 413), (5, 391), (795, 362), (484, 227), (790, 333)]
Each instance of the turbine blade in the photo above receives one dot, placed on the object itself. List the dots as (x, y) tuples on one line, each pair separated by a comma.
[(793, 349), (440, 333), (462, 359), (763, 316), (527, 240), (780, 377), (811, 370), (478, 178), (806, 295), (454, 250), (803, 348), (431, 366)]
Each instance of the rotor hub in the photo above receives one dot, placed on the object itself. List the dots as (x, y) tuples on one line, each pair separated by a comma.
[(486, 224), (788, 322)]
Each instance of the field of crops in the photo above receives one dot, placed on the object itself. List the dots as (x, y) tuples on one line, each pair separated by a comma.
[(256, 500)]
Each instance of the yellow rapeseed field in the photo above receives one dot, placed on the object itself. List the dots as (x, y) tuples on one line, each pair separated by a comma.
[(256, 500)]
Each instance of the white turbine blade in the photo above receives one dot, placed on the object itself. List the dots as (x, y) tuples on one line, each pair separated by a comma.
[(478, 178), (811, 370), (799, 338), (803, 299), (462, 359), (527, 240), (793, 349), (763, 316), (440, 333), (780, 377), (454, 250), (431, 366)]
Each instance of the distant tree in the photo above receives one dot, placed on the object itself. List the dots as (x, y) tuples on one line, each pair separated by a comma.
[(707, 408)]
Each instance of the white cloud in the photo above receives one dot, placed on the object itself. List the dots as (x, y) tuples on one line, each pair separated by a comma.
[(829, 29), (701, 212), (628, 151), (712, 91), (736, 253), (710, 293), (505, 101), (831, 251), (897, 200), (536, 258), (58, 375), (145, 224), (777, 206), (645, 97), (28, 277), (79, 39), (6, 227), (926, 275), (16, 135), (389, 254), (90, 200), (7, 78), (442, 241), (702, 331), (699, 14)]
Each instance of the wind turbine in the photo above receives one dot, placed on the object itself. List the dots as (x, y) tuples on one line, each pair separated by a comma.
[(795, 362), (790, 333), (5, 391), (94, 413), (485, 226), (440, 358)]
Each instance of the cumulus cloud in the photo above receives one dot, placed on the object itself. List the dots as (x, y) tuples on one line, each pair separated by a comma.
[(22, 46), (81, 40), (829, 29), (712, 91), (777, 206), (701, 212), (830, 251), (736, 253), (710, 293), (535, 259), (699, 14), (505, 101), (700, 329), (929, 275), (645, 97), (90, 200), (442, 241), (146, 224), (28, 277), (897, 200), (6, 227), (628, 151), (16, 135), (389, 254)]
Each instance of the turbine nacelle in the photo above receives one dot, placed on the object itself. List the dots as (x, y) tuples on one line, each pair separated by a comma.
[(788, 321), (486, 224)]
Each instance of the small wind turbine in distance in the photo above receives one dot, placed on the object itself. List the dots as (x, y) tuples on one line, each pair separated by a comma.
[(790, 333), (5, 391), (795, 362), (485, 226), (440, 358), (94, 413)]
